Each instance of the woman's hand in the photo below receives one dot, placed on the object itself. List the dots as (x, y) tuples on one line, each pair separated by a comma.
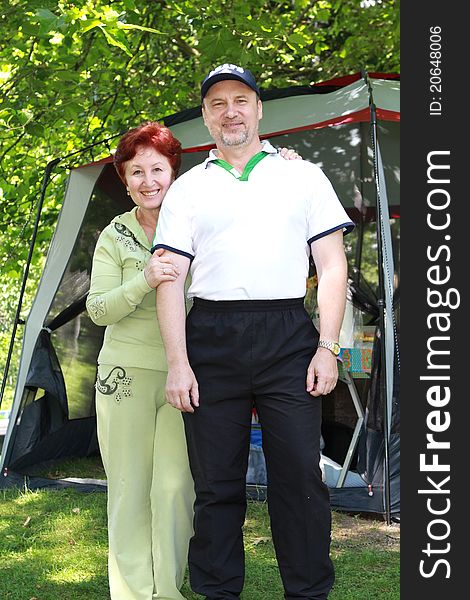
[(289, 154), (160, 268)]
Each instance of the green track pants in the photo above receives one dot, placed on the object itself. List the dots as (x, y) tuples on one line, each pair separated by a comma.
[(150, 489)]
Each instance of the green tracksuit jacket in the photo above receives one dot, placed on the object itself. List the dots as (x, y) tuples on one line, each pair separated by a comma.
[(121, 299)]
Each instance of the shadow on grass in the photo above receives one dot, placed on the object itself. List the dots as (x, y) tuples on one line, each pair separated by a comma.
[(33, 584)]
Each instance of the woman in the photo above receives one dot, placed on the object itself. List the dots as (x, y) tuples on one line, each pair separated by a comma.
[(141, 437), (150, 490)]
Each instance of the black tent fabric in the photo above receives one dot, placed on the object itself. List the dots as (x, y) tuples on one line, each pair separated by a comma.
[(44, 430)]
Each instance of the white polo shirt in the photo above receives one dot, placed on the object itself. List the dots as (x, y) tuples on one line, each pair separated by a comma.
[(248, 237)]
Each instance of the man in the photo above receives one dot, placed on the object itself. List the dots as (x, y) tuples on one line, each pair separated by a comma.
[(246, 221)]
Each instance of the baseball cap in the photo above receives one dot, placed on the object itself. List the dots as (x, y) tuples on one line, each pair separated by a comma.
[(229, 71)]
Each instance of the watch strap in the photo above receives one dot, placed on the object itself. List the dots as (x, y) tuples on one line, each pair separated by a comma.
[(333, 347)]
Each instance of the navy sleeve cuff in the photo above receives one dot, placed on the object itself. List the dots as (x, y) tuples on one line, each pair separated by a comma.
[(171, 249), (348, 227)]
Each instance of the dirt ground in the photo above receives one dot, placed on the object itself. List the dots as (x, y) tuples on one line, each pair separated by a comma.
[(364, 531)]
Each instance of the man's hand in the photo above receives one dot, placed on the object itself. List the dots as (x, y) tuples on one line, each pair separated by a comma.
[(322, 373), (289, 154), (182, 390)]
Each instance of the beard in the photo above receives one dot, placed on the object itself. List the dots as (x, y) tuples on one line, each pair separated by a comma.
[(238, 139)]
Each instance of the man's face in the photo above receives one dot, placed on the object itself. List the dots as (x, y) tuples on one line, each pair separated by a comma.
[(231, 113)]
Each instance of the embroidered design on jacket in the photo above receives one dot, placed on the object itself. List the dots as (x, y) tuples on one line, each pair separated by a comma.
[(97, 307), (128, 238), (117, 383)]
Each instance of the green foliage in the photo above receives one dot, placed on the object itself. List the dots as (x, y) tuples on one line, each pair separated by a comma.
[(74, 73)]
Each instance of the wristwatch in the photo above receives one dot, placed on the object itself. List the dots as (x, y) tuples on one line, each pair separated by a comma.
[(331, 346)]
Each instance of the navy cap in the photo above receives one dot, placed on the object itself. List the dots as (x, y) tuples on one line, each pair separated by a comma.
[(228, 71)]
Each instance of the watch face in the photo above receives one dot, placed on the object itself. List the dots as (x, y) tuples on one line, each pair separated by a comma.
[(336, 349)]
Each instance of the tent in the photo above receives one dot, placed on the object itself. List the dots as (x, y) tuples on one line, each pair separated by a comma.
[(348, 126)]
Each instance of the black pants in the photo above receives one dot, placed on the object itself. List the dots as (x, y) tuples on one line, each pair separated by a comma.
[(245, 354)]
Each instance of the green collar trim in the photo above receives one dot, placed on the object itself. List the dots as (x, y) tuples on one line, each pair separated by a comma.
[(250, 165)]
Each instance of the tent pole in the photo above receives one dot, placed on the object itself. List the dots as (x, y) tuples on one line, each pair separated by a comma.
[(17, 321), (360, 224), (382, 308), (358, 256)]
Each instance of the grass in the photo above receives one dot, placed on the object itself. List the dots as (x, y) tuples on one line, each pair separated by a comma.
[(53, 546)]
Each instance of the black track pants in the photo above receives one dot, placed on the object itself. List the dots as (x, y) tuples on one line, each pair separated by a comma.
[(245, 354)]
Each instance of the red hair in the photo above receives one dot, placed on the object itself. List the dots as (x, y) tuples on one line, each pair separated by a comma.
[(150, 135)]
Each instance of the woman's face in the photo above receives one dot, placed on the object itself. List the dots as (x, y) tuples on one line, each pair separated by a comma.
[(148, 176)]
